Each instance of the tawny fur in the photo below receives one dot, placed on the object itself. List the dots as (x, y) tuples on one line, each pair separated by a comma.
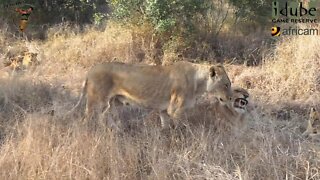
[(168, 89), (222, 117)]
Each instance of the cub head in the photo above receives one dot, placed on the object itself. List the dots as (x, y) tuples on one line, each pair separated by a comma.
[(219, 84), (240, 99)]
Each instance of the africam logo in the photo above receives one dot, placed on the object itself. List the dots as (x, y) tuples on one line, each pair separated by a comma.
[(308, 31), (275, 31)]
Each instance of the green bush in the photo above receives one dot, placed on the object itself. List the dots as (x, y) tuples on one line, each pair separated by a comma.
[(166, 17)]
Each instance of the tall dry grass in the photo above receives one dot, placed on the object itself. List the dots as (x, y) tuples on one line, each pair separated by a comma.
[(39, 142), (290, 73)]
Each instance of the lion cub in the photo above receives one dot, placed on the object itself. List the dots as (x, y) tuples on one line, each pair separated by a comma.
[(313, 126), (222, 117), (234, 116)]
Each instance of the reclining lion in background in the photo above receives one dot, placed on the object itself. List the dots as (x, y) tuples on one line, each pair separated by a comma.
[(10, 67), (23, 61), (167, 89)]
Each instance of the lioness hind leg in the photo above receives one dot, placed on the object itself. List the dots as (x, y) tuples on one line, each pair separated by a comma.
[(93, 107), (106, 112), (89, 110), (106, 109)]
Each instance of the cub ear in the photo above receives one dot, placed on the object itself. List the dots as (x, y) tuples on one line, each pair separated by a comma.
[(212, 71)]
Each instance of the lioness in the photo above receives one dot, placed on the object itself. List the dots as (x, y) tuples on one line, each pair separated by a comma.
[(168, 89), (313, 126)]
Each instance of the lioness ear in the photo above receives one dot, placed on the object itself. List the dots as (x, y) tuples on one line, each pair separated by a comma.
[(212, 71)]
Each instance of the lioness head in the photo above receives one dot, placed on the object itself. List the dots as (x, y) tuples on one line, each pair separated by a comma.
[(219, 84)]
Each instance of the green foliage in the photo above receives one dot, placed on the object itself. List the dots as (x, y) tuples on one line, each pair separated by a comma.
[(165, 16), (124, 10), (98, 17), (56, 11), (195, 21), (254, 11)]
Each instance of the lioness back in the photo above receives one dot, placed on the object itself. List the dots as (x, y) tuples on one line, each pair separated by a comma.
[(147, 86), (144, 85)]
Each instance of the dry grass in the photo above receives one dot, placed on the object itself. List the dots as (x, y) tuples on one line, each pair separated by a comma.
[(291, 74), (39, 142)]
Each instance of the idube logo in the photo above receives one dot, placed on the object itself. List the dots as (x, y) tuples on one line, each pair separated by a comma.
[(294, 12)]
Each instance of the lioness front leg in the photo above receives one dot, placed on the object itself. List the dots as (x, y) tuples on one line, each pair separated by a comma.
[(176, 108), (165, 119)]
